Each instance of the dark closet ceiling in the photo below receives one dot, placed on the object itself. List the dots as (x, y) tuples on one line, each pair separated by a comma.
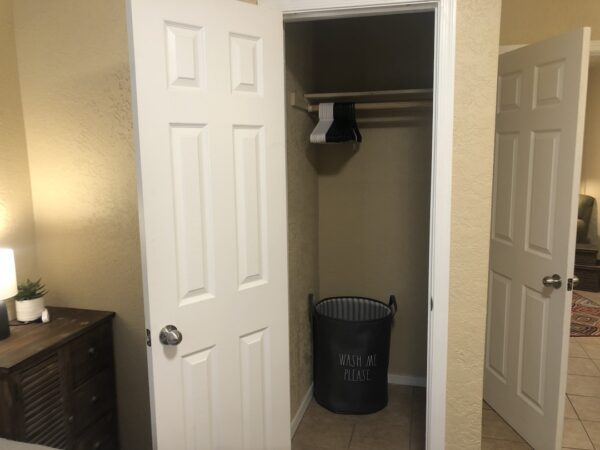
[(372, 53)]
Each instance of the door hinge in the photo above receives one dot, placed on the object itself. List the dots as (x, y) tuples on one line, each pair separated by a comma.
[(431, 304), (572, 283), (148, 338)]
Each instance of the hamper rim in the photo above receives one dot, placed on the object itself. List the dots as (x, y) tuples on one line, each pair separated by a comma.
[(323, 316)]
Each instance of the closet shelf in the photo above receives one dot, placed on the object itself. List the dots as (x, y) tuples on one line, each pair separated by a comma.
[(365, 96), (406, 99)]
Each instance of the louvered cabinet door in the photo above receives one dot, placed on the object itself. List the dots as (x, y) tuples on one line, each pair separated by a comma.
[(44, 404)]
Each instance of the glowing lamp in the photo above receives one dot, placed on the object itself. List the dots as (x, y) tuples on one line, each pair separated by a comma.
[(8, 287)]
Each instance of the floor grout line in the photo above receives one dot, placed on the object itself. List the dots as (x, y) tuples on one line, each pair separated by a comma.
[(586, 432), (580, 421), (351, 435), (506, 441), (572, 406), (581, 395)]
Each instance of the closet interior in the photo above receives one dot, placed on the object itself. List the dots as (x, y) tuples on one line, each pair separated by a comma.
[(358, 213)]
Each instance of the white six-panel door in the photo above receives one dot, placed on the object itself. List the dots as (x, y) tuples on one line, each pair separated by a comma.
[(539, 139), (209, 104)]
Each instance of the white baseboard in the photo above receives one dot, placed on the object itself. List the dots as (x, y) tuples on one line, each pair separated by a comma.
[(302, 409), (406, 380)]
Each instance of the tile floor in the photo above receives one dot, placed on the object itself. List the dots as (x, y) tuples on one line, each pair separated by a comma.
[(582, 406), (400, 426), (582, 410)]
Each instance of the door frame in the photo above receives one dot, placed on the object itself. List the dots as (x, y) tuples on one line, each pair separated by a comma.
[(441, 172)]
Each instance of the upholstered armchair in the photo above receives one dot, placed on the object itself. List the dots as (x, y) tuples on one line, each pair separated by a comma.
[(584, 215)]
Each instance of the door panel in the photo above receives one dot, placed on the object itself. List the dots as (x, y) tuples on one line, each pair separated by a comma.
[(532, 347), (539, 137), (209, 106), (256, 390), (541, 196), (497, 326), (186, 55), (193, 212), (246, 64), (504, 187), (248, 147), (200, 396), (548, 83)]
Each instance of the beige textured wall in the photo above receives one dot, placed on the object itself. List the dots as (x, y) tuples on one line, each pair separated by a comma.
[(374, 230), (478, 23), (590, 172), (302, 185), (374, 200), (16, 212), (74, 73), (528, 21)]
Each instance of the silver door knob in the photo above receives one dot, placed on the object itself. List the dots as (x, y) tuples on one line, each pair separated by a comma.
[(170, 335), (553, 281), (575, 280)]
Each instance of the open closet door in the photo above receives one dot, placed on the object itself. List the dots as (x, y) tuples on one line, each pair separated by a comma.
[(209, 104), (539, 139)]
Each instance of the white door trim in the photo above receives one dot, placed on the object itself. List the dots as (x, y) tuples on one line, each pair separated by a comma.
[(441, 193)]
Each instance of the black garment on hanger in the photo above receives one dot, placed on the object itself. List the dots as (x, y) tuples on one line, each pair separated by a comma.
[(344, 127)]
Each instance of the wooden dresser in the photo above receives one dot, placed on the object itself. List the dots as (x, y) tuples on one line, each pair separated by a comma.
[(57, 383)]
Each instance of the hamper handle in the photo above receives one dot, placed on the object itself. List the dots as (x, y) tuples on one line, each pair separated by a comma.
[(393, 303)]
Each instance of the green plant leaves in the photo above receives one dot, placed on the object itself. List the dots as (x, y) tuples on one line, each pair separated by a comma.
[(31, 290)]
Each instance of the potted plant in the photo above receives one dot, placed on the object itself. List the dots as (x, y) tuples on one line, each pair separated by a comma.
[(30, 300)]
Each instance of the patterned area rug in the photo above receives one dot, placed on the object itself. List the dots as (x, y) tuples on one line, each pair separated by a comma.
[(585, 316)]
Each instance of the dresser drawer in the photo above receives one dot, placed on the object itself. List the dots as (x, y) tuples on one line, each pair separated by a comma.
[(91, 353), (99, 436), (93, 399)]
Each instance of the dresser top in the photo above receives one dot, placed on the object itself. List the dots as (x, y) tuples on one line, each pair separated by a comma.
[(27, 340)]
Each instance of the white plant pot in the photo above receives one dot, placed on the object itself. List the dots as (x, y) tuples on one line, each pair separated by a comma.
[(29, 310)]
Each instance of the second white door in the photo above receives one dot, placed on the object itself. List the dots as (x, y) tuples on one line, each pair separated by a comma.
[(539, 141)]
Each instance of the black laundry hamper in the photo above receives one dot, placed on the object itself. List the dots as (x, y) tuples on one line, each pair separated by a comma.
[(351, 346)]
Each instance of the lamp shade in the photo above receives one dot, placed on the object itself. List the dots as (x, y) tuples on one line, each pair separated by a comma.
[(8, 274)]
